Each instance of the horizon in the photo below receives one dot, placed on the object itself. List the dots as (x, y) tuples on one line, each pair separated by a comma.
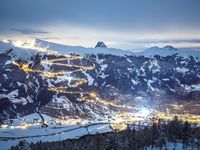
[(19, 43)]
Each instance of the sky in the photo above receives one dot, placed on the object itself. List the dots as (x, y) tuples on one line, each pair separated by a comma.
[(125, 24)]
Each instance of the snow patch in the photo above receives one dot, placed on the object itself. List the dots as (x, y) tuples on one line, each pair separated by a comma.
[(89, 78)]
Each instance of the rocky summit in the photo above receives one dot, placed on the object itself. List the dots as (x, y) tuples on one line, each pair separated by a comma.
[(101, 45)]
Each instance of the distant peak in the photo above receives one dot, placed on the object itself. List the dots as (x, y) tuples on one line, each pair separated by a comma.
[(168, 48), (154, 47), (101, 45), (171, 48)]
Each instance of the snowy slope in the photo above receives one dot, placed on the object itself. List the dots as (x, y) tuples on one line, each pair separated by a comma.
[(65, 49), (16, 51), (34, 46), (36, 133)]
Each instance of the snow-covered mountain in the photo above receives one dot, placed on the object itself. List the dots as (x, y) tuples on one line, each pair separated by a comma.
[(168, 50), (91, 82), (33, 46)]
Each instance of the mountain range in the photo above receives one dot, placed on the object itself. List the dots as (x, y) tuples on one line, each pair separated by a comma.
[(73, 81)]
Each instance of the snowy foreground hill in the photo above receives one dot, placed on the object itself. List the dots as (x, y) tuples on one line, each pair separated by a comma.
[(69, 85)]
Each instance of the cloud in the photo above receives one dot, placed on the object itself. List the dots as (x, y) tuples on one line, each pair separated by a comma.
[(28, 31), (115, 15), (181, 41), (49, 38)]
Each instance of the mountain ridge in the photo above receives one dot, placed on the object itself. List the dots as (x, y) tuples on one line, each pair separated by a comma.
[(34, 46), (40, 46)]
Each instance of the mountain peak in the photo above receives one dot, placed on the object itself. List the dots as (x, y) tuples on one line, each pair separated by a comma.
[(171, 48), (101, 45)]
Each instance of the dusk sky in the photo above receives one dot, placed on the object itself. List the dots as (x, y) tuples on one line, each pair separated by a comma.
[(126, 24)]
